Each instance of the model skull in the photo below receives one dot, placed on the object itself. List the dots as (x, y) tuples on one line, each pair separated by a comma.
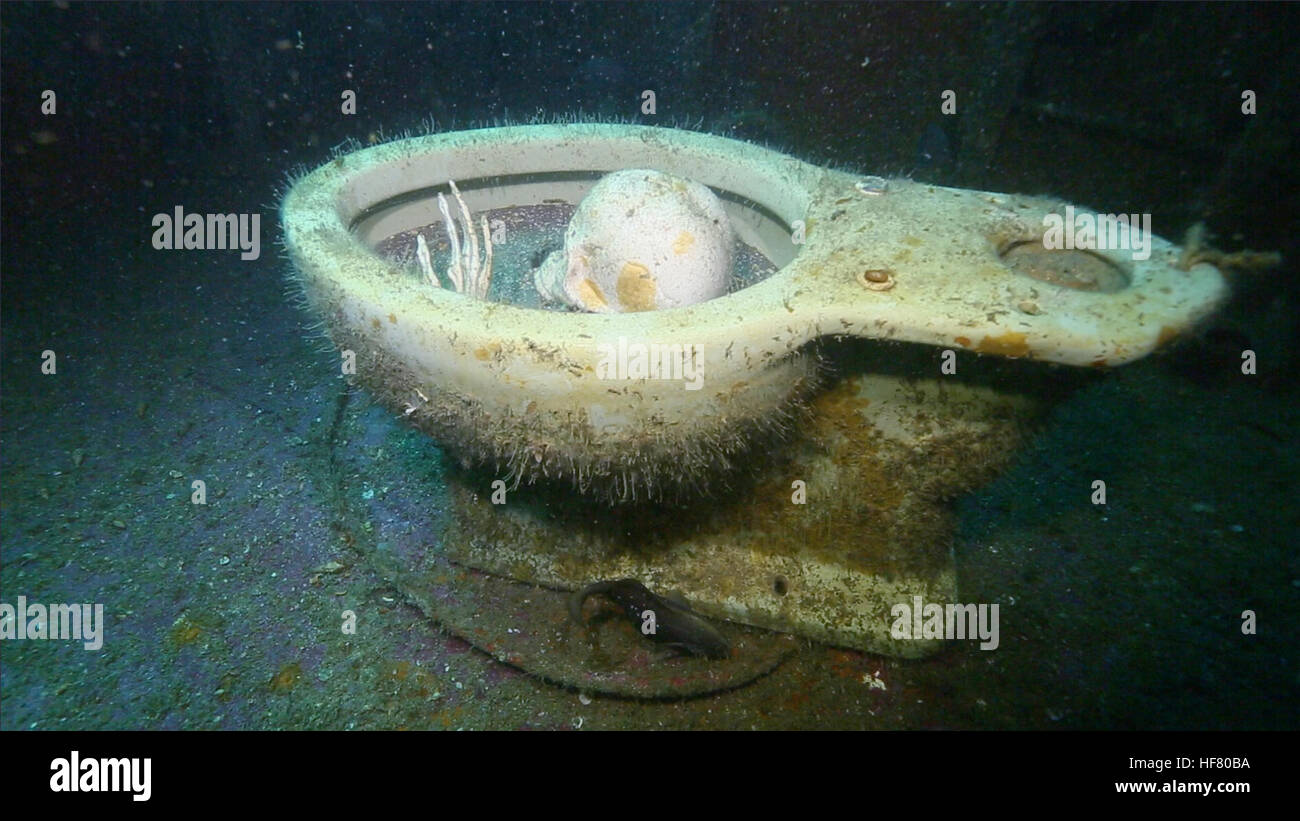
[(641, 241)]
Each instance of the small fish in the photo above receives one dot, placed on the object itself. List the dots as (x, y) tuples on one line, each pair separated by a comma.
[(676, 625)]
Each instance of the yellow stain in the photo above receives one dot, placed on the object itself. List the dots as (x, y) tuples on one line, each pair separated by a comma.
[(591, 295), (636, 288), (1008, 344)]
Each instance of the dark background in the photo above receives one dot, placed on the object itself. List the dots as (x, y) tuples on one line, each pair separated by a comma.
[(177, 364)]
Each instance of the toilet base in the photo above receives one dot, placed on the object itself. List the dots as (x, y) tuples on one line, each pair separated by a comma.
[(849, 520)]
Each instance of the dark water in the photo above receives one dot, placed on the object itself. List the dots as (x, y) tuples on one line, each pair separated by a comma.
[(177, 366)]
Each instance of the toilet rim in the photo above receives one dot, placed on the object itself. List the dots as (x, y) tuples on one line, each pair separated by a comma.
[(495, 166)]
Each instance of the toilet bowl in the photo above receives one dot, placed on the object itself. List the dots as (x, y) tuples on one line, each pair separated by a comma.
[(552, 396)]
